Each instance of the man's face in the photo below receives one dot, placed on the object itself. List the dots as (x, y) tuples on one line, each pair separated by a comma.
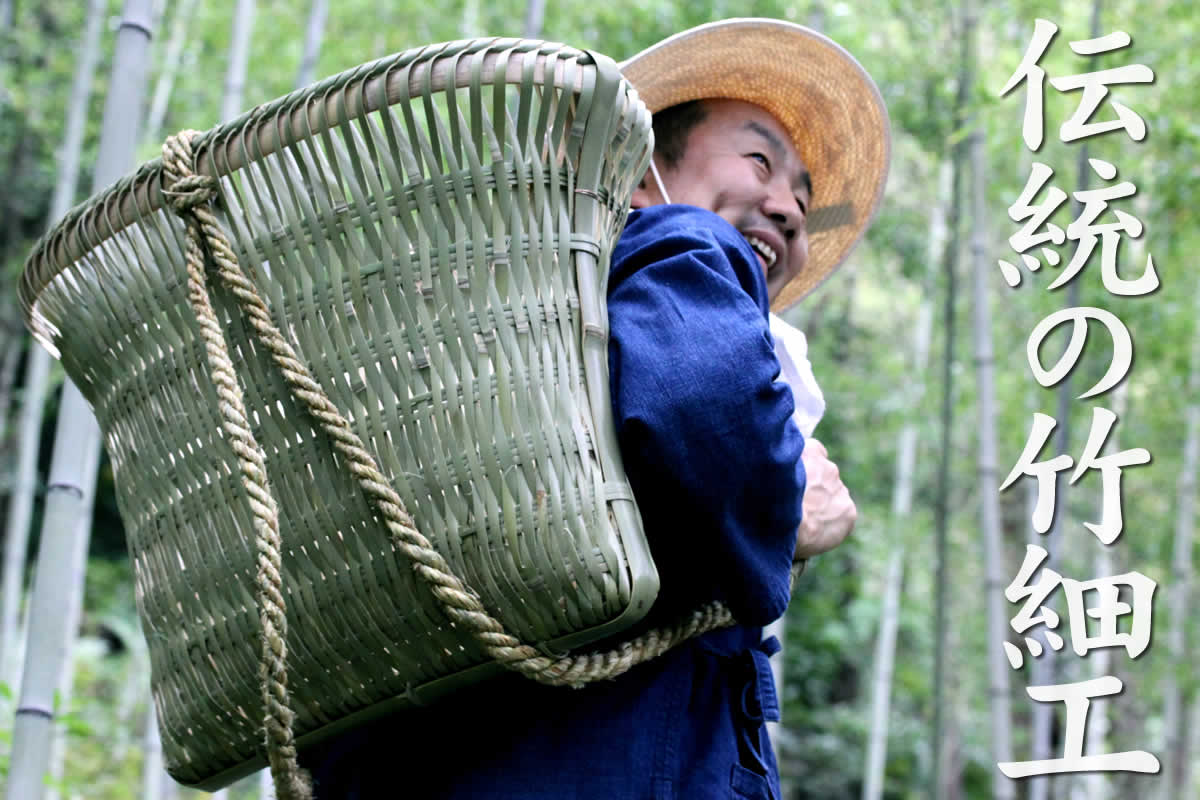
[(740, 163)]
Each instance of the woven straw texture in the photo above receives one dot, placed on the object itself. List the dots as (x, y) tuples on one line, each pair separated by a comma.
[(431, 233)]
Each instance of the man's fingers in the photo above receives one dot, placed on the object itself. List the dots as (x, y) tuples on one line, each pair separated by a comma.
[(814, 448), (830, 513)]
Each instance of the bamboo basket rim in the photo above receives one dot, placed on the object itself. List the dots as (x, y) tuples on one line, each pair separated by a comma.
[(255, 135)]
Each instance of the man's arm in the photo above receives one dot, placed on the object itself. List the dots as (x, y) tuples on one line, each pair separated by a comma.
[(704, 427)]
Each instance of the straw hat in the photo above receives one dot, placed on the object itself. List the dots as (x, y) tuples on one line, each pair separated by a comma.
[(819, 93)]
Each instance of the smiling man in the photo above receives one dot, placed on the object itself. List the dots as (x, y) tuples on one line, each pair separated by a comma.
[(771, 151), (767, 134), (718, 227), (735, 159)]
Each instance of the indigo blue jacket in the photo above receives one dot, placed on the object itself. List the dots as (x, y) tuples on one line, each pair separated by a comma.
[(714, 462)]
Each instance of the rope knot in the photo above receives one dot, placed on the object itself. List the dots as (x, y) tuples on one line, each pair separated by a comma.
[(185, 189), (191, 191)]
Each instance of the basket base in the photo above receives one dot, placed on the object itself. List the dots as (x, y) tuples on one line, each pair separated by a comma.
[(428, 693)]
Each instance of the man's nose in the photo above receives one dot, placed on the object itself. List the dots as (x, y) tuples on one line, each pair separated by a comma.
[(782, 207)]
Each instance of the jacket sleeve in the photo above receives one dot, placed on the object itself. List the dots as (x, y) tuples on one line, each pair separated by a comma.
[(705, 429)]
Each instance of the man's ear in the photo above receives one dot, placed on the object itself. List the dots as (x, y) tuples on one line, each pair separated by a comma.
[(641, 195), (649, 192)]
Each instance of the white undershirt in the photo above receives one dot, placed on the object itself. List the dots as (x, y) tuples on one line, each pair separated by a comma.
[(791, 348)]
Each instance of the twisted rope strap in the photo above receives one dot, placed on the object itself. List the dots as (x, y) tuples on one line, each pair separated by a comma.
[(190, 195)]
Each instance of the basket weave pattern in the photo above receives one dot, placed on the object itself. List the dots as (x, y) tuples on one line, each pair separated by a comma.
[(432, 232)]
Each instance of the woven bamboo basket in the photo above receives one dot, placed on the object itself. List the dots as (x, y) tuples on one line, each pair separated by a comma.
[(431, 234)]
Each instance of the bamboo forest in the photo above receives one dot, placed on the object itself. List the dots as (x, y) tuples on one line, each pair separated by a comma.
[(1010, 361)]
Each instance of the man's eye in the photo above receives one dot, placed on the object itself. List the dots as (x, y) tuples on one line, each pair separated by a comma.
[(762, 159)]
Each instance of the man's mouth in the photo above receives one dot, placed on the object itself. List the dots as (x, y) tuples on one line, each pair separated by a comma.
[(765, 252)]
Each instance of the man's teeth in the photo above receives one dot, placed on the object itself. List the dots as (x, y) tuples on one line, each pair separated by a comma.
[(763, 249)]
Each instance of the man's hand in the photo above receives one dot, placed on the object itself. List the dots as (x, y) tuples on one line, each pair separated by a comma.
[(829, 513)]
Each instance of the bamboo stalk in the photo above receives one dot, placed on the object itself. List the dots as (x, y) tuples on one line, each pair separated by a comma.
[(942, 510), (535, 13), (75, 570), (20, 512), (76, 454), (906, 457), (989, 501), (72, 479), (37, 368), (172, 60), (313, 34), (153, 776), (239, 56), (8, 374), (1175, 781)]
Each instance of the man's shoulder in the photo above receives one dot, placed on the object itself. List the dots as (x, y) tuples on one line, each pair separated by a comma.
[(664, 233), (678, 220)]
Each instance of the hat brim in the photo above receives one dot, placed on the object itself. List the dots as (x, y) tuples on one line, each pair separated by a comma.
[(819, 93)]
